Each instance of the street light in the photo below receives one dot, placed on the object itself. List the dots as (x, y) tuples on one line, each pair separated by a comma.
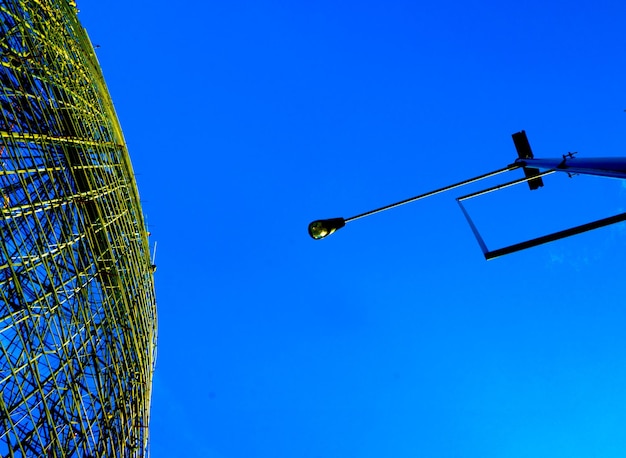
[(614, 167), (324, 227)]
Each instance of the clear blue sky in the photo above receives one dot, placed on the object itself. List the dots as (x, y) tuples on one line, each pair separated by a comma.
[(245, 120)]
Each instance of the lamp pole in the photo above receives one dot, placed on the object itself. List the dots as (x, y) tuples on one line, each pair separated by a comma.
[(534, 170), (324, 227)]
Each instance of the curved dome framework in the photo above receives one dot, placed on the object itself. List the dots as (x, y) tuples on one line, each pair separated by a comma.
[(77, 304)]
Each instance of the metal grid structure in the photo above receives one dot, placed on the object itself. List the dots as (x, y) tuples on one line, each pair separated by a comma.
[(77, 304)]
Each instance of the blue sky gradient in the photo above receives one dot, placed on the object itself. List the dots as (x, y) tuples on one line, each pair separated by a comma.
[(394, 337)]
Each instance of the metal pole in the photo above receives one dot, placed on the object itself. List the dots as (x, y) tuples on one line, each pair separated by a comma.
[(614, 167)]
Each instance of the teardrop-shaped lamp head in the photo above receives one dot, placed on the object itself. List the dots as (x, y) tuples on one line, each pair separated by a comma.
[(324, 227)]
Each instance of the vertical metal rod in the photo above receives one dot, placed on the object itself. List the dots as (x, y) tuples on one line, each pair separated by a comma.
[(479, 238)]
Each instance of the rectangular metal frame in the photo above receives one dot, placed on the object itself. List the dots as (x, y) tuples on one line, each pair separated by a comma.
[(538, 240)]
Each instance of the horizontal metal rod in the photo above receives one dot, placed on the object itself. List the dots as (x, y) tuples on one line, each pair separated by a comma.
[(556, 236), (504, 185), (438, 191)]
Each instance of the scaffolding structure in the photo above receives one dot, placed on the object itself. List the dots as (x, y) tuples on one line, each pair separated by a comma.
[(77, 303)]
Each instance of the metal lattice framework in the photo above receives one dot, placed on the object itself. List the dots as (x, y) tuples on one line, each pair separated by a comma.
[(77, 304)]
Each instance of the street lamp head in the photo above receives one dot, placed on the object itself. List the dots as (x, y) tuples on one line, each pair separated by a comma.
[(324, 227)]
